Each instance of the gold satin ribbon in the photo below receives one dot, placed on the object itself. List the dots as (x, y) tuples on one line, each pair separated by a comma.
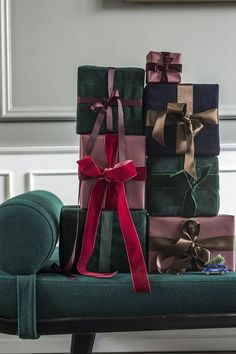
[(188, 249), (188, 124)]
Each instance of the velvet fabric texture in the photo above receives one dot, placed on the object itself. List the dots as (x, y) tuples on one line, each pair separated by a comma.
[(89, 297), (169, 196), (134, 150), (205, 97), (29, 231), (109, 253), (92, 82), (217, 232)]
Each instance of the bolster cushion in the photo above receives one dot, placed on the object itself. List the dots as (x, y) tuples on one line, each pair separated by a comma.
[(29, 225)]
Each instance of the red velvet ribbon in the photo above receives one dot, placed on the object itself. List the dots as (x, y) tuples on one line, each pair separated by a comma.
[(112, 180), (104, 108)]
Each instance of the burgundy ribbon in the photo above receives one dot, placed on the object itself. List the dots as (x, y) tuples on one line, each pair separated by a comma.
[(112, 178), (104, 108), (165, 66)]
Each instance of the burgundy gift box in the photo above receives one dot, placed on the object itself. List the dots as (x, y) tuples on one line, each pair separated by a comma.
[(134, 150), (177, 241), (163, 67)]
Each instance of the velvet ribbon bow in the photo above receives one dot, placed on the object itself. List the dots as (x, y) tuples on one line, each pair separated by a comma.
[(112, 178), (104, 108), (188, 126), (189, 250), (188, 186), (165, 66)]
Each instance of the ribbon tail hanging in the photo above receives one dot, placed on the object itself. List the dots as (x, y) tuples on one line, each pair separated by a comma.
[(90, 230), (133, 248)]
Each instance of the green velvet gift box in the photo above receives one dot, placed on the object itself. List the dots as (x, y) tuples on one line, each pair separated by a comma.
[(109, 252), (93, 89), (173, 192)]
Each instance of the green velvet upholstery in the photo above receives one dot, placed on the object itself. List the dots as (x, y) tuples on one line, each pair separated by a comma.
[(92, 82), (90, 297), (166, 194), (29, 231), (109, 253)]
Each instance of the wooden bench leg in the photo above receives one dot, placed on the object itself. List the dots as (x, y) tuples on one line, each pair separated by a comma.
[(82, 343)]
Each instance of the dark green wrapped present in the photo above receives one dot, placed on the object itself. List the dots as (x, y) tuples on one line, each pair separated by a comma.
[(93, 92), (173, 192), (109, 253)]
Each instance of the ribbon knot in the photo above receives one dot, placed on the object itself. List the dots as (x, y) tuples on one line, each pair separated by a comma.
[(185, 250), (188, 186), (188, 126)]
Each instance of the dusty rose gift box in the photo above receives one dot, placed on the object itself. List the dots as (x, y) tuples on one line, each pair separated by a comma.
[(163, 67), (134, 150), (177, 244)]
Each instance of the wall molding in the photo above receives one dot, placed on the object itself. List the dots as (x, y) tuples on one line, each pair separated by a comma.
[(30, 177), (9, 113), (8, 187)]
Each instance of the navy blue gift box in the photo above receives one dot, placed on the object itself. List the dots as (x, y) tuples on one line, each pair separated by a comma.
[(199, 98)]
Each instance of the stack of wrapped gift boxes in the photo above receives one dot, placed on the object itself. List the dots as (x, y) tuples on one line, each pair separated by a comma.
[(178, 183), (181, 123)]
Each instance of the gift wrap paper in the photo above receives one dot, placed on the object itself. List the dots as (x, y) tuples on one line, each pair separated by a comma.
[(93, 82), (170, 229), (198, 98), (109, 253), (135, 150), (172, 194), (163, 67)]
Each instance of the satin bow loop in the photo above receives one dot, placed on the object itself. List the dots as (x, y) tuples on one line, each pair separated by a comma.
[(188, 186), (186, 250), (188, 126)]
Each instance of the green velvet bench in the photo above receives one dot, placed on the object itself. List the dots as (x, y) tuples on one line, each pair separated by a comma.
[(36, 301)]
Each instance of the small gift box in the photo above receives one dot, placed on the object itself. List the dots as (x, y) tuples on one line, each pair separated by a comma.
[(177, 244), (173, 192), (109, 253), (107, 145), (163, 67), (110, 92), (182, 120)]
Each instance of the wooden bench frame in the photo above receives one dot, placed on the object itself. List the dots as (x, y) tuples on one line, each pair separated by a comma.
[(83, 330)]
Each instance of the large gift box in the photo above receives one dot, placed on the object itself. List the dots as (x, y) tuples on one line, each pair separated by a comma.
[(109, 254), (163, 67), (171, 191), (100, 89), (177, 244), (134, 150), (182, 119)]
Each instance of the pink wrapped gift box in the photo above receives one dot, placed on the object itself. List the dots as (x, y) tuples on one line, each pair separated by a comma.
[(135, 149), (163, 67), (164, 231)]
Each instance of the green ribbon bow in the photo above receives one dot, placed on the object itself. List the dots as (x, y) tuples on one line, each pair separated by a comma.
[(188, 186)]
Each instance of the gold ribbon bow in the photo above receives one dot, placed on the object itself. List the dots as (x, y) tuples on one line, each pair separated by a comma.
[(188, 126), (188, 249)]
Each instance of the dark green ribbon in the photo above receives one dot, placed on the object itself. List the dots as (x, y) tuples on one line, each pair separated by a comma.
[(188, 186)]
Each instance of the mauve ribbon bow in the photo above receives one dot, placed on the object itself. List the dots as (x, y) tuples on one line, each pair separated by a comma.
[(188, 186), (165, 66), (112, 177), (188, 126), (103, 107), (185, 250)]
